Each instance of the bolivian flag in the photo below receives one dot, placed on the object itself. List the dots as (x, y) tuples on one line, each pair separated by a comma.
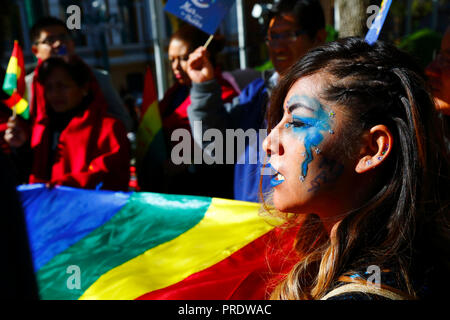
[(14, 83), (150, 147), (89, 244)]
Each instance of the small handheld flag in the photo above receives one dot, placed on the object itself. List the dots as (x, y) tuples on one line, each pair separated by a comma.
[(203, 14), (14, 83), (375, 29)]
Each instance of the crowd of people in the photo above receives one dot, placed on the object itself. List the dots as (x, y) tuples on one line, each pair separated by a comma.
[(358, 142)]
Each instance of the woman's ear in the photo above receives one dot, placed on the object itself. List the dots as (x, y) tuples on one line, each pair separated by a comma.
[(376, 148)]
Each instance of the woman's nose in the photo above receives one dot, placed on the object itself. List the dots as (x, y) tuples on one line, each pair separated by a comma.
[(272, 144), (176, 64)]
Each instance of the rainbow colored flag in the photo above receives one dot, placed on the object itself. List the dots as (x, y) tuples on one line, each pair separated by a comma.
[(150, 143), (375, 29), (14, 82), (89, 244)]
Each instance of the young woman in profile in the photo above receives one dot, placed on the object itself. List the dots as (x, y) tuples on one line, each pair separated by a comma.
[(356, 149)]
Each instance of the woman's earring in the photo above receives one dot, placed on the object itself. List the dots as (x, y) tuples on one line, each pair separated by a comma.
[(386, 148)]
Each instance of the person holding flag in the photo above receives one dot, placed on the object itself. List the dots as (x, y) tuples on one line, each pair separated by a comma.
[(294, 28), (50, 37), (173, 109), (74, 141)]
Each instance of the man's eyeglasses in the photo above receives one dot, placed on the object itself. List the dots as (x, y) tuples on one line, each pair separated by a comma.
[(284, 37), (50, 40)]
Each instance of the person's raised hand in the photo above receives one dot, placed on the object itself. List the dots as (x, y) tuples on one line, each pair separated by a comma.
[(15, 134), (199, 67)]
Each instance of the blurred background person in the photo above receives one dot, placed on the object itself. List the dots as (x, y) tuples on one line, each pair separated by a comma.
[(294, 28), (50, 37), (438, 72), (189, 179), (73, 140)]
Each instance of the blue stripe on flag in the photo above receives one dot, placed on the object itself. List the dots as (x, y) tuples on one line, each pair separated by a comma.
[(377, 25), (56, 219)]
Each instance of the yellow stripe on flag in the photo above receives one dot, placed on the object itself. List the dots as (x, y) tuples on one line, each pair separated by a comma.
[(150, 125), (228, 225), (13, 67), (21, 106)]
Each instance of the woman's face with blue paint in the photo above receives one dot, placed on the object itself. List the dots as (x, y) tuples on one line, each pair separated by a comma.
[(309, 176)]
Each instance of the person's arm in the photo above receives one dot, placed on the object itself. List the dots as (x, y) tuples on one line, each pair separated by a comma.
[(206, 101)]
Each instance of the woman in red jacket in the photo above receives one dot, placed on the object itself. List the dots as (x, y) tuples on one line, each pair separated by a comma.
[(74, 141)]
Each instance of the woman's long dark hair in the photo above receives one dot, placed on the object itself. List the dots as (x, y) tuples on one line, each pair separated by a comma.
[(403, 226)]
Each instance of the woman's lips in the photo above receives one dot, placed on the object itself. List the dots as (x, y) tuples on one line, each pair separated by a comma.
[(277, 179)]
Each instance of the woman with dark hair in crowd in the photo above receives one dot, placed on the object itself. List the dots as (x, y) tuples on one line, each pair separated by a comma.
[(359, 160), (73, 140), (173, 109)]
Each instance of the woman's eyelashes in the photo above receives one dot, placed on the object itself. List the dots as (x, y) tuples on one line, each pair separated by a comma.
[(295, 124)]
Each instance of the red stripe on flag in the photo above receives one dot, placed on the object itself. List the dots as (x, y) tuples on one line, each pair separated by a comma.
[(248, 274), (12, 100)]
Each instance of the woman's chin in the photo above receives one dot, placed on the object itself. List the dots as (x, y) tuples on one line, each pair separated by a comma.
[(282, 205), (182, 80)]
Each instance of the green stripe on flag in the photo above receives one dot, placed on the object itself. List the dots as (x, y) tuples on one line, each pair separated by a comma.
[(26, 113), (146, 221), (10, 83)]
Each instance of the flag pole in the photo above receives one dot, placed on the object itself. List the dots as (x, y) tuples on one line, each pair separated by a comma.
[(208, 41), (14, 112)]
